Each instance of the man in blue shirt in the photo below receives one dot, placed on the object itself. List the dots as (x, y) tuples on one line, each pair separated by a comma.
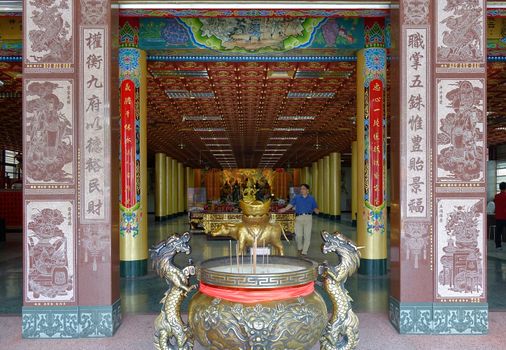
[(304, 205)]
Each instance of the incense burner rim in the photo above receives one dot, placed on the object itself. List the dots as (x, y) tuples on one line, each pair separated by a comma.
[(307, 273)]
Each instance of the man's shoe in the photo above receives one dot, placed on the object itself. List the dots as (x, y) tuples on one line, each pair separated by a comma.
[(498, 248), (299, 252)]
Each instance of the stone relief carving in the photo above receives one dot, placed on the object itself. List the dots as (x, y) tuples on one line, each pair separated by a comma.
[(49, 139), (416, 241), (460, 247), (460, 138), (95, 245), (460, 31), (51, 42), (93, 12), (50, 258), (416, 12)]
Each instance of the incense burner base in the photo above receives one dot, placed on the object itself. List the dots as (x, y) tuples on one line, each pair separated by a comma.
[(294, 323)]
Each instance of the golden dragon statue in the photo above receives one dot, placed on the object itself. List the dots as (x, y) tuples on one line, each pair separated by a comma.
[(341, 332), (171, 333)]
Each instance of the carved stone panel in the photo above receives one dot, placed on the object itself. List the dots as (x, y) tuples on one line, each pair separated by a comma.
[(417, 123), (49, 251), (49, 128), (417, 244), (460, 248), (94, 113), (460, 131), (95, 247), (416, 12), (460, 31), (48, 31)]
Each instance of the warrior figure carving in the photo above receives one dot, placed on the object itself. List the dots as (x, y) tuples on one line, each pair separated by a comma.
[(170, 331), (342, 330)]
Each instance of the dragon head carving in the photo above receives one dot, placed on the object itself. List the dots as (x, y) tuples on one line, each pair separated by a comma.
[(347, 250), (169, 247)]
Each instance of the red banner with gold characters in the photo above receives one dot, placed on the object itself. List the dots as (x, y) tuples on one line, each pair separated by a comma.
[(128, 151), (376, 142)]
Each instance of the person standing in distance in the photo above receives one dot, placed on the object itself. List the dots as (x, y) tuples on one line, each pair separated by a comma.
[(304, 205), (500, 215)]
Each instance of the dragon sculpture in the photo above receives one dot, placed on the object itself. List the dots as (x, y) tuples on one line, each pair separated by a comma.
[(342, 330), (170, 331)]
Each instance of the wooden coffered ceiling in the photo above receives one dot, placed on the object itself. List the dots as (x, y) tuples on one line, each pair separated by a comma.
[(252, 113), (251, 101)]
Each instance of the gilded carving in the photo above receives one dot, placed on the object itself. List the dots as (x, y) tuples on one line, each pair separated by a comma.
[(288, 325), (341, 331), (171, 332)]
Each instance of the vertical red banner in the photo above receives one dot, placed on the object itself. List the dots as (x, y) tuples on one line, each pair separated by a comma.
[(128, 147), (376, 142)]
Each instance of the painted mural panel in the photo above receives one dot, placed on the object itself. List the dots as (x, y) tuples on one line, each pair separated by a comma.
[(460, 271), (49, 251), (49, 32), (460, 127), (251, 35), (49, 129), (417, 122), (94, 112), (460, 31)]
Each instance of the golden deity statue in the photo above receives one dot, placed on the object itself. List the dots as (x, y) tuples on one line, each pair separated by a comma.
[(255, 228)]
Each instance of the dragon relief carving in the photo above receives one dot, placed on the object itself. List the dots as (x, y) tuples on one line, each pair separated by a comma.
[(342, 329), (171, 333), (462, 41), (53, 38)]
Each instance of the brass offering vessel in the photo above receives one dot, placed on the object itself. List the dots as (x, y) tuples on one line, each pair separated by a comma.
[(265, 303), (285, 323)]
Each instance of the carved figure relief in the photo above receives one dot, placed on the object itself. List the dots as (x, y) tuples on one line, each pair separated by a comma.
[(460, 31), (49, 26), (49, 139), (416, 12), (416, 242), (460, 247), (461, 124), (95, 244), (49, 259)]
